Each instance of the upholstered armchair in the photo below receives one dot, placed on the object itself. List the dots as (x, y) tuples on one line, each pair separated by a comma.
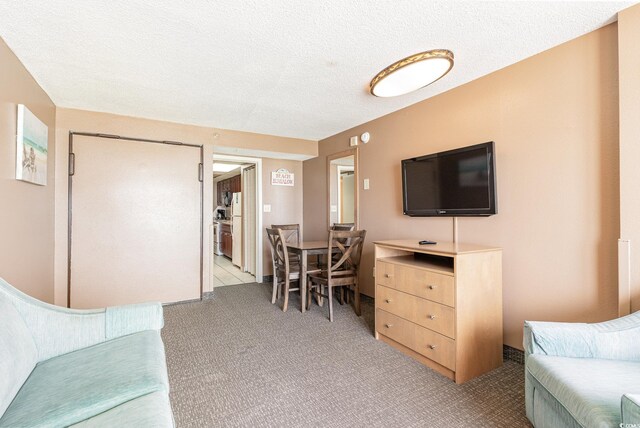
[(583, 375)]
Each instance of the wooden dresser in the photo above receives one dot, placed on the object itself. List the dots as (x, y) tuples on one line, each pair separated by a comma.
[(441, 304)]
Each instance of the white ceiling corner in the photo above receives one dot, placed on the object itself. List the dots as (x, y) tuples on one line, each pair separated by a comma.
[(293, 68)]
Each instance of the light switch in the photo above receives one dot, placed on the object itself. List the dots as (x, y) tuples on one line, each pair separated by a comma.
[(353, 141), (267, 208), (366, 184), (334, 208)]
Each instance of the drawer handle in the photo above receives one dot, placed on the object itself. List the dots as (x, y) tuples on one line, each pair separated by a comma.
[(387, 275), (432, 346), (388, 325), (431, 317), (431, 287), (387, 300)]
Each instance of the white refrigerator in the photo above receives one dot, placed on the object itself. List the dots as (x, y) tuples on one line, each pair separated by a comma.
[(236, 229)]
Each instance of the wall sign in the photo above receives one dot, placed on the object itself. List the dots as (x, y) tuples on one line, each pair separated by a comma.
[(282, 177)]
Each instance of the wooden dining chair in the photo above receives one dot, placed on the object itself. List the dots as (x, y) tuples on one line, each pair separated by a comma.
[(341, 273), (291, 232), (336, 256), (285, 270)]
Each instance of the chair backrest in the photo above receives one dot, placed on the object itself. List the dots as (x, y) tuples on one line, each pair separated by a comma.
[(290, 232), (347, 257), (279, 251), (343, 226)]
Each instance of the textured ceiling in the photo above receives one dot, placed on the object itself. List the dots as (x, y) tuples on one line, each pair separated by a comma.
[(293, 68)]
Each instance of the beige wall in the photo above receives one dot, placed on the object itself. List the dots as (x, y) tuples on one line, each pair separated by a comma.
[(26, 210), (286, 203), (554, 118), (629, 64)]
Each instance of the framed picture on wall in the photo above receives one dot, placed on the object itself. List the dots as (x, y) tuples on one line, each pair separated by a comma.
[(31, 148)]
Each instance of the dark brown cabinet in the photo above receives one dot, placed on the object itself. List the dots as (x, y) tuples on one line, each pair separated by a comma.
[(232, 185), (226, 240)]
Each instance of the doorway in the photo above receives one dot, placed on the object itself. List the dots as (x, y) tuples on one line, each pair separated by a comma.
[(236, 258)]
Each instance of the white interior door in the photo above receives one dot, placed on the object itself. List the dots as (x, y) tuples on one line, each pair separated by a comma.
[(136, 222), (249, 218)]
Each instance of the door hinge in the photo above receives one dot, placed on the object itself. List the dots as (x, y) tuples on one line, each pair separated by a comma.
[(72, 163), (200, 172)]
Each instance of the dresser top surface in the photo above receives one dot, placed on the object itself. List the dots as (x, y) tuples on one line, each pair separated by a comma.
[(443, 248)]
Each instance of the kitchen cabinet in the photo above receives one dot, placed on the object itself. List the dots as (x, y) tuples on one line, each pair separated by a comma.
[(232, 185)]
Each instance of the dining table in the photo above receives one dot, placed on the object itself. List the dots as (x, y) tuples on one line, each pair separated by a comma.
[(305, 249)]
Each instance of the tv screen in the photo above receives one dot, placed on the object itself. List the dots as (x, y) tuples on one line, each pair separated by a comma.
[(458, 182)]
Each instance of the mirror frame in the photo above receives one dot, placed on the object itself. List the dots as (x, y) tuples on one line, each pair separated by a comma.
[(350, 152)]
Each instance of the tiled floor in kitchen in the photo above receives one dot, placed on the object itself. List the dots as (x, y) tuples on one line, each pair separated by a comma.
[(225, 273)]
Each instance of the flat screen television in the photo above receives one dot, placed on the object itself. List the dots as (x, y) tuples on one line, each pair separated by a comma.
[(460, 182)]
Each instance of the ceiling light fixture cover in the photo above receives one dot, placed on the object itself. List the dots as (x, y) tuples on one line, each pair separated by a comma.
[(412, 73)]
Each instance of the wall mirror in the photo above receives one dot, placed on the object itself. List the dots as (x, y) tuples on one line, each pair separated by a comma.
[(342, 185)]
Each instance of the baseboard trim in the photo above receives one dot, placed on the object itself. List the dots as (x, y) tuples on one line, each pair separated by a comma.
[(513, 354)]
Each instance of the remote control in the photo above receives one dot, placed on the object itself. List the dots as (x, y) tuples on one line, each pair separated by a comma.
[(427, 242)]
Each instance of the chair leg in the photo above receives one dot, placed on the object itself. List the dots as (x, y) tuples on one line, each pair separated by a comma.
[(309, 286), (356, 297), (286, 294), (330, 299), (342, 295), (319, 295), (275, 293)]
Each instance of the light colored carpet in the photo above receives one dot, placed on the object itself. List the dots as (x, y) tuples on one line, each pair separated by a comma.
[(239, 361)]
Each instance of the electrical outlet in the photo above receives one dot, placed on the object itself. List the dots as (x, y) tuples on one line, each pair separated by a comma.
[(267, 208)]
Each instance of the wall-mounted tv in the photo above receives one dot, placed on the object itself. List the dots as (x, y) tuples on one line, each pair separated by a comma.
[(460, 182)]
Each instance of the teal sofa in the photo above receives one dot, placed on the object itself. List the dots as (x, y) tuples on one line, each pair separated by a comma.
[(583, 375), (82, 368)]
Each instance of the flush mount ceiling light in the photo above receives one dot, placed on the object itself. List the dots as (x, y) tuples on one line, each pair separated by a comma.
[(411, 73)]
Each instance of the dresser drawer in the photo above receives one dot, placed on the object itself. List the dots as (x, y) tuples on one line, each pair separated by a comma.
[(423, 283), (396, 302), (384, 274), (434, 316), (436, 347), (396, 328)]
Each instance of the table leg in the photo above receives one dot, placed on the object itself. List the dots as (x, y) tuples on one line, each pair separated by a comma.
[(303, 280)]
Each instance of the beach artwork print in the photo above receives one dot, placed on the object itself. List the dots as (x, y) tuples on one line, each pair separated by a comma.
[(31, 149)]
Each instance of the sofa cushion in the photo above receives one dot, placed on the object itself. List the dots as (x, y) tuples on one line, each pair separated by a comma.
[(79, 385), (149, 411), (589, 389), (18, 353)]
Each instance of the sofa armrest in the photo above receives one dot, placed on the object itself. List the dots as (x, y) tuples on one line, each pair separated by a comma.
[(618, 339), (559, 339), (631, 410), (123, 320)]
